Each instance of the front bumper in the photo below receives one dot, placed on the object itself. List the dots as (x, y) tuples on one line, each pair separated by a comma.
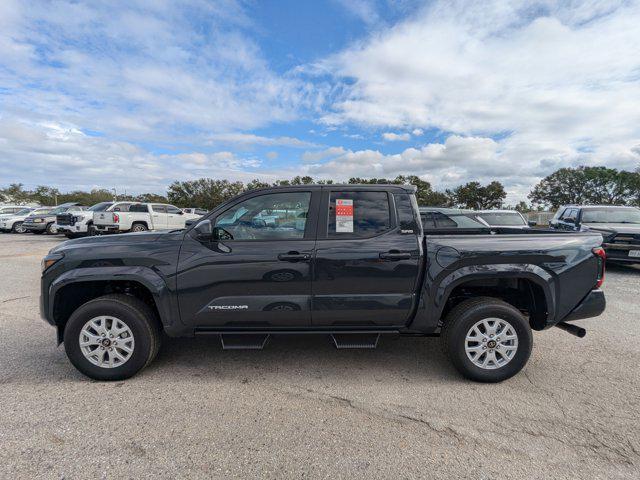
[(591, 306), (618, 254), (107, 228)]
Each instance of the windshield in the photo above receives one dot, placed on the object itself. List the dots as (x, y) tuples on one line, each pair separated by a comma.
[(611, 215), (59, 210), (100, 207), (502, 218), (40, 211), (24, 211)]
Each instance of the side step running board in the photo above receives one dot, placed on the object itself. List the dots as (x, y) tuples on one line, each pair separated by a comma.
[(355, 340), (241, 341)]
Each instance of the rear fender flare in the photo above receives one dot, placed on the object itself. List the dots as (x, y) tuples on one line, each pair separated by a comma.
[(435, 300)]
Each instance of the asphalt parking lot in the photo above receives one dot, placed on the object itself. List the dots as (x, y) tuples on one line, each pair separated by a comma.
[(300, 408)]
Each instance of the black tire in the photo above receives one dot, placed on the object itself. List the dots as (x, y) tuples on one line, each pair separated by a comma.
[(131, 311), (139, 227), (51, 229), (460, 320)]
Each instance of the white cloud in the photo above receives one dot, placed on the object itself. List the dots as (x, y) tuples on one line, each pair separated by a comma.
[(396, 137), (141, 69), (77, 160), (417, 132), (251, 139), (557, 84), (317, 155)]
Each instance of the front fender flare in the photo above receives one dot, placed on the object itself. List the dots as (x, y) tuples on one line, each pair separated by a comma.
[(165, 299)]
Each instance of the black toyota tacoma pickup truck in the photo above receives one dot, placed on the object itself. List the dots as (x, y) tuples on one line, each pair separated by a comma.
[(347, 261)]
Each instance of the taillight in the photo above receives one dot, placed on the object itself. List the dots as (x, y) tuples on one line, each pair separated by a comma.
[(116, 218), (602, 258)]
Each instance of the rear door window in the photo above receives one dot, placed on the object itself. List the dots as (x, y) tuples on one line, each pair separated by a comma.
[(358, 214), (139, 208)]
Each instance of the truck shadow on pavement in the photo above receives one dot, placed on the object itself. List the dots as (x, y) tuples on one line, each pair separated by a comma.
[(314, 356)]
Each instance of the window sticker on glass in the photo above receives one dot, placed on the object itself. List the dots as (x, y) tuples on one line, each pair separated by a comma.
[(344, 216)]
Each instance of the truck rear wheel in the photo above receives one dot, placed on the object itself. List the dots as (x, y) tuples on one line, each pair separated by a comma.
[(487, 339), (139, 227), (52, 229), (112, 337)]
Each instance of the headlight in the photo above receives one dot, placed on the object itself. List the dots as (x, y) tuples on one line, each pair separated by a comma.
[(50, 260), (37, 220)]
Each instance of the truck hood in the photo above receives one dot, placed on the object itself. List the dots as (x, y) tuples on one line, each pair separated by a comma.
[(112, 240), (610, 228)]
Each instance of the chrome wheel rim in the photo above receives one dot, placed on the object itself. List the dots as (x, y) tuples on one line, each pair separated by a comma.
[(491, 343), (106, 342), (20, 229)]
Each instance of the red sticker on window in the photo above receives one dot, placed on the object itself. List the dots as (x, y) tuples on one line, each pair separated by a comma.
[(344, 215)]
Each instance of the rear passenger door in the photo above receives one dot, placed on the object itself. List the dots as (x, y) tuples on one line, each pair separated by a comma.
[(159, 217), (367, 258)]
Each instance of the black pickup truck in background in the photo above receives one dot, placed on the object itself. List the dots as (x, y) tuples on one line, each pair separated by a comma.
[(349, 261), (618, 225)]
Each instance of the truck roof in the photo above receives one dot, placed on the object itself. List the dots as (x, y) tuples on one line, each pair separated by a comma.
[(350, 186)]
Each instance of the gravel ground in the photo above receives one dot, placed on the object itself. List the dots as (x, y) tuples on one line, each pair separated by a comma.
[(300, 408)]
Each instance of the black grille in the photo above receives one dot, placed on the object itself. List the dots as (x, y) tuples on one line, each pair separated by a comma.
[(626, 239), (65, 219)]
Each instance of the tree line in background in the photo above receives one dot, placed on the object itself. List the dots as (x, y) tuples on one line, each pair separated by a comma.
[(581, 185)]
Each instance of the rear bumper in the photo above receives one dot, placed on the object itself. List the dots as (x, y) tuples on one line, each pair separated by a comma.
[(591, 306)]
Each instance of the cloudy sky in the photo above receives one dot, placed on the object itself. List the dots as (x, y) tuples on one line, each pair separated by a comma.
[(134, 94)]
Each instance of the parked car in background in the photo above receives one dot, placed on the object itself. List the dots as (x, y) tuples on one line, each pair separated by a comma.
[(436, 219), (140, 217), (13, 223), (20, 211), (619, 226), (8, 210), (46, 222), (195, 211), (80, 224), (503, 219)]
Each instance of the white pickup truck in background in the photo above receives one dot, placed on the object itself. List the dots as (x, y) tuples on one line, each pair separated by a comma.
[(140, 217)]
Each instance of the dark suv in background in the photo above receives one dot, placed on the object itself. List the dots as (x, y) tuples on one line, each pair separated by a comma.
[(619, 226)]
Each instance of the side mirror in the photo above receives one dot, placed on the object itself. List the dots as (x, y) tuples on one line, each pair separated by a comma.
[(531, 223), (189, 222), (204, 229)]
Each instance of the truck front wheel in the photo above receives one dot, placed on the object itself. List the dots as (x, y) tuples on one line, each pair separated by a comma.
[(112, 337), (487, 339)]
